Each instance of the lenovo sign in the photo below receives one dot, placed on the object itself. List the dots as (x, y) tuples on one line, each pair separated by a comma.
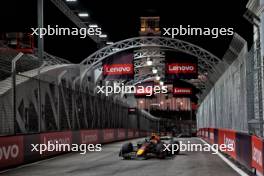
[(211, 135), (257, 153), (89, 136), (228, 137), (55, 138), (176, 68), (182, 91), (130, 133), (120, 66), (108, 135), (121, 134), (11, 151), (118, 69)]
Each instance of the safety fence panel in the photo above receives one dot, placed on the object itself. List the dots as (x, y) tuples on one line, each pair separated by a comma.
[(44, 105), (229, 102)]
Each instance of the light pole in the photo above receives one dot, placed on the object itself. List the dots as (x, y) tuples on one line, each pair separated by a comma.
[(40, 25), (14, 60)]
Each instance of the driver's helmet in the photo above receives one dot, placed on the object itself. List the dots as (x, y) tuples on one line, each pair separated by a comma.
[(155, 137)]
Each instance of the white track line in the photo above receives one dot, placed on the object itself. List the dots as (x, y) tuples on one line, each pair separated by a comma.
[(56, 157), (34, 163), (232, 165), (227, 161)]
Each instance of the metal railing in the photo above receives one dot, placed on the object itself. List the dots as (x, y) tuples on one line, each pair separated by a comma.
[(33, 103)]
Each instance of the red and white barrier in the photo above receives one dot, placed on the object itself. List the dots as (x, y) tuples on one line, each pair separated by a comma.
[(17, 150)]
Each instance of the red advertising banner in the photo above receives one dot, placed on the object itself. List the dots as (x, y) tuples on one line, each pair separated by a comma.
[(132, 110), (177, 68), (118, 69), (206, 135), (130, 133), (56, 138), (119, 66), (257, 154), (199, 133), (108, 135), (144, 133), (181, 66), (182, 91), (211, 135), (194, 106), (89, 136), (136, 133), (202, 132), (228, 138), (121, 134), (11, 151)]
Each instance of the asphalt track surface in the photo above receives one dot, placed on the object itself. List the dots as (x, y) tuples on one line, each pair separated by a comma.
[(108, 163)]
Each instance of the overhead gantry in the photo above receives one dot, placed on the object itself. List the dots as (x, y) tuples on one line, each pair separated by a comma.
[(210, 66)]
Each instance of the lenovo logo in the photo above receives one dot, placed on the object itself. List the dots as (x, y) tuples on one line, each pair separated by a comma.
[(109, 135), (229, 142), (8, 152), (257, 156), (136, 134), (65, 140), (130, 134), (211, 136), (185, 91), (121, 134), (118, 69), (89, 138), (176, 68)]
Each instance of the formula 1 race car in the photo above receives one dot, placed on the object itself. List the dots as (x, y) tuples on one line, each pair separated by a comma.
[(149, 148)]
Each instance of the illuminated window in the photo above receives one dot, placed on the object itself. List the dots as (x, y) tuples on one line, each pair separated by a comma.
[(150, 24)]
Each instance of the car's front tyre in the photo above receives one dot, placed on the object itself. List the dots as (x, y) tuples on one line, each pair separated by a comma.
[(125, 150)]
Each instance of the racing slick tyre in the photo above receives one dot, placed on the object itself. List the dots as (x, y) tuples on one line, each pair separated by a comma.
[(161, 154), (125, 150)]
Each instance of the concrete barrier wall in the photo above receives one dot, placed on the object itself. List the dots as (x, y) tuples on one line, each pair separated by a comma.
[(16, 150), (248, 150)]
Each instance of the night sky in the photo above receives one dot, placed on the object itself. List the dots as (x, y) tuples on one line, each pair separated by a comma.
[(120, 20)]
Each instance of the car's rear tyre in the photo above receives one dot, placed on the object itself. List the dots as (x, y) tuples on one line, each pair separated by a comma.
[(161, 154)]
